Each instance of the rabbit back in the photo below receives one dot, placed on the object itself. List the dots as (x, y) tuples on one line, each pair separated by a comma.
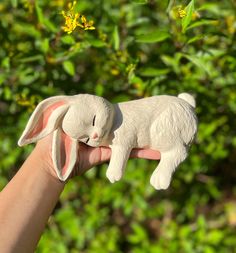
[(158, 122), (175, 125)]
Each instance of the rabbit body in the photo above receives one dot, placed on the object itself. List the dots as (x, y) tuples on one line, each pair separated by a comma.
[(164, 123)]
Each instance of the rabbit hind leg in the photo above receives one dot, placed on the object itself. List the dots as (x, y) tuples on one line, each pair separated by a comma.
[(161, 176)]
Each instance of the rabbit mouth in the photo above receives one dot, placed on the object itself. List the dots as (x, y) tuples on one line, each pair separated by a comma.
[(93, 143)]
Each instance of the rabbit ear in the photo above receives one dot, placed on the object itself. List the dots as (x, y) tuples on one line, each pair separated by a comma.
[(44, 119), (64, 153)]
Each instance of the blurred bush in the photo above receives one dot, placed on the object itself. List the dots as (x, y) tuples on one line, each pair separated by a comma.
[(139, 48)]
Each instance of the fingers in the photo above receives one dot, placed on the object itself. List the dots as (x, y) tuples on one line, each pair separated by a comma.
[(95, 156), (105, 154), (135, 153), (146, 154), (90, 157)]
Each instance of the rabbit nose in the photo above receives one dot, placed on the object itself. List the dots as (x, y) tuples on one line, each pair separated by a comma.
[(95, 136)]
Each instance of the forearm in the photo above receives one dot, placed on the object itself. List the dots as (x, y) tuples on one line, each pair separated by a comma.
[(26, 204)]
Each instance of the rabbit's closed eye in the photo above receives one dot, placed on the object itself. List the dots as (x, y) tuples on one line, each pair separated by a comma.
[(94, 120)]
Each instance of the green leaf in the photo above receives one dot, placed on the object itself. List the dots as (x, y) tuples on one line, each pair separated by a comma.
[(68, 40), (69, 67), (153, 37), (170, 5), (213, 8), (43, 20), (215, 236), (39, 12), (203, 22), (29, 29), (3, 77), (187, 19), (14, 3), (197, 61), (140, 1), (44, 45), (51, 27), (99, 89), (195, 38), (97, 43), (172, 61), (6, 63), (29, 79), (152, 72), (116, 38), (33, 58)]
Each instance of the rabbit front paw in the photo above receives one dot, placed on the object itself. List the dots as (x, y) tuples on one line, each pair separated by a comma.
[(160, 180), (113, 175)]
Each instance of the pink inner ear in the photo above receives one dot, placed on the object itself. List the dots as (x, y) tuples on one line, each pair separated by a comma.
[(65, 150), (43, 120)]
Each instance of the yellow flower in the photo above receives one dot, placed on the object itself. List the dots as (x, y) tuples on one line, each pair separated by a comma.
[(71, 20), (115, 72), (86, 25), (182, 13), (178, 12)]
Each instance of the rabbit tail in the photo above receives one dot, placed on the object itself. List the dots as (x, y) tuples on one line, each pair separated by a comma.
[(188, 98)]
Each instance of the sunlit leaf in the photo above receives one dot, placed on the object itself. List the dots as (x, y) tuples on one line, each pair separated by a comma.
[(14, 3), (116, 38), (140, 1), (43, 20), (187, 19), (203, 22), (195, 38), (68, 39), (32, 58), (197, 61), (39, 12), (97, 43), (170, 5), (156, 36), (69, 67), (153, 71)]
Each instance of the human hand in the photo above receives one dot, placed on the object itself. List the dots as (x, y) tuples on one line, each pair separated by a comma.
[(88, 157)]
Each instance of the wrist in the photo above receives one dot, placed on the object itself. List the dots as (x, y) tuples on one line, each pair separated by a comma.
[(41, 155)]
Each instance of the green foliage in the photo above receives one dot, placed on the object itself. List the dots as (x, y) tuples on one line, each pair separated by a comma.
[(152, 37), (188, 18), (139, 49)]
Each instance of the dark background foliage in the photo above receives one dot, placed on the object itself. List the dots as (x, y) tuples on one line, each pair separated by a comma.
[(139, 48)]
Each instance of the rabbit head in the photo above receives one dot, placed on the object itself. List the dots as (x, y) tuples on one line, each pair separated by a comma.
[(89, 119), (83, 117)]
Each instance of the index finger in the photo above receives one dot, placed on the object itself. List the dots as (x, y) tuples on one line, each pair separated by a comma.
[(145, 153)]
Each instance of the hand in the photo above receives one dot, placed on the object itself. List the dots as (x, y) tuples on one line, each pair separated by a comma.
[(88, 156)]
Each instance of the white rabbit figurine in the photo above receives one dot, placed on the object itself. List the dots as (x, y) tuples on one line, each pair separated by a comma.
[(164, 123)]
